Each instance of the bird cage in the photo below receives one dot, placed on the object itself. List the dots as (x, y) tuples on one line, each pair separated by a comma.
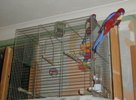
[(47, 62)]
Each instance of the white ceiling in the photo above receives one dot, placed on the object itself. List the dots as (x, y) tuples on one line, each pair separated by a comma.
[(18, 11)]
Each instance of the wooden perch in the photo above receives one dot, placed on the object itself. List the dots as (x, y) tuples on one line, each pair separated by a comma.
[(48, 60), (70, 56), (29, 93), (24, 91)]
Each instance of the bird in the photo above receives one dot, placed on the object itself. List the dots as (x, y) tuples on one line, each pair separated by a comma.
[(112, 20)]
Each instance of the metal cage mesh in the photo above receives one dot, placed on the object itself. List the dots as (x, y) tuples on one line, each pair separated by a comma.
[(42, 67)]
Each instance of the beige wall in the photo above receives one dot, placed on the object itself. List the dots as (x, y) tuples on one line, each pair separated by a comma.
[(102, 12)]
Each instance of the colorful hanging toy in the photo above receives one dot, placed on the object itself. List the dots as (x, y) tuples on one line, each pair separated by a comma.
[(86, 52), (90, 25)]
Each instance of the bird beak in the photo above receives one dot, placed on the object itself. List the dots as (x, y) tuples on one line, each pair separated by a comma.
[(120, 17)]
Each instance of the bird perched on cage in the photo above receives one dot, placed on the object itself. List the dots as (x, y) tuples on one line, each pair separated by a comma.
[(112, 20), (90, 26)]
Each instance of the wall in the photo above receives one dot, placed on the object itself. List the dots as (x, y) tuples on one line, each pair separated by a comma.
[(8, 32), (127, 37)]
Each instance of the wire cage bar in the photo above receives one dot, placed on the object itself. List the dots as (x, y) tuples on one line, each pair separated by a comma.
[(46, 62)]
